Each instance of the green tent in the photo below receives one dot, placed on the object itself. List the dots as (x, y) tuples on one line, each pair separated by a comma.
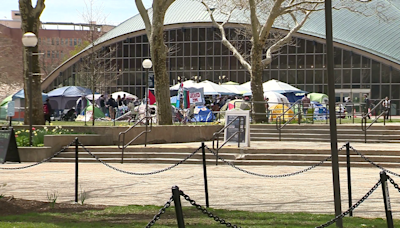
[(6, 100), (97, 112), (318, 97), (3, 107)]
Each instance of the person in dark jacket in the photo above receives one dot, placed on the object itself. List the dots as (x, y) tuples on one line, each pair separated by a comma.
[(47, 111), (112, 104)]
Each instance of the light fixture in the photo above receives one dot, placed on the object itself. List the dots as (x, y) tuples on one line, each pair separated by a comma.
[(147, 63), (29, 39)]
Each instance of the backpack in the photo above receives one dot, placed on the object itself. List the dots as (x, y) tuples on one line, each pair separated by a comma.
[(46, 109)]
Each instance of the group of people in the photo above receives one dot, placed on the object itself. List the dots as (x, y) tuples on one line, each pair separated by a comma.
[(386, 105)]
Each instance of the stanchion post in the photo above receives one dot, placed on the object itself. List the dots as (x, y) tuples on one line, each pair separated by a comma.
[(178, 206), (205, 173), (349, 177), (76, 169), (386, 200)]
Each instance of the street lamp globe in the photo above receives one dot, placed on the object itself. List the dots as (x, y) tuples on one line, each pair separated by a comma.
[(147, 64), (29, 39)]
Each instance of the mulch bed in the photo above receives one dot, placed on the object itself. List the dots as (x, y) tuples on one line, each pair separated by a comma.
[(13, 206)]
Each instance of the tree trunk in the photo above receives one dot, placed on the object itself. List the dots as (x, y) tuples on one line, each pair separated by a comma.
[(30, 23), (256, 84), (159, 59)]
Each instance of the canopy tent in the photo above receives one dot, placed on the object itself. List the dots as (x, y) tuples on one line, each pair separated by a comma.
[(21, 95), (292, 93), (89, 114), (318, 97), (90, 97), (188, 83), (237, 89), (275, 98), (247, 85), (66, 97), (122, 93), (230, 83), (211, 88)]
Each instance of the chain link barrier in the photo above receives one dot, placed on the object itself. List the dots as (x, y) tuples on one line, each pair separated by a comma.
[(373, 163), (139, 174), (352, 208), (273, 176), (205, 211), (396, 186), (44, 160), (160, 212)]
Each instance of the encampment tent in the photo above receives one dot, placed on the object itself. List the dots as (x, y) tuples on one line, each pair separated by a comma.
[(237, 89), (203, 114), (318, 97), (66, 97), (292, 93), (89, 114), (211, 88)]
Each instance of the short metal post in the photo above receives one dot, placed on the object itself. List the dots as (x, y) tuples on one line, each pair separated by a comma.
[(240, 125), (326, 114), (349, 177), (353, 111), (386, 199), (365, 129), (145, 136), (205, 173), (299, 113), (11, 121), (178, 207), (384, 118), (76, 169), (340, 114)]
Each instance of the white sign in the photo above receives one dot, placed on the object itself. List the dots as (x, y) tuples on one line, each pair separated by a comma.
[(11, 108), (195, 97), (243, 122)]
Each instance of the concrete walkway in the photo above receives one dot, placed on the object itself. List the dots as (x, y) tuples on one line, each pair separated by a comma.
[(228, 187)]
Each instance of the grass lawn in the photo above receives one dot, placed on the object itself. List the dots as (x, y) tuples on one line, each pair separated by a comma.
[(139, 216)]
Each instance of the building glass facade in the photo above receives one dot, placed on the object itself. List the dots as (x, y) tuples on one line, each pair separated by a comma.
[(197, 53)]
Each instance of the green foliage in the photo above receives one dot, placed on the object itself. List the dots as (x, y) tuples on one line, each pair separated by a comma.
[(22, 136), (82, 196), (52, 198), (2, 186)]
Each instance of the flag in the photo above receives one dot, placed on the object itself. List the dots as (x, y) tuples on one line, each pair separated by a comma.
[(152, 98)]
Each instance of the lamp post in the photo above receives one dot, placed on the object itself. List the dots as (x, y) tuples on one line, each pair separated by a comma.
[(147, 64), (29, 40)]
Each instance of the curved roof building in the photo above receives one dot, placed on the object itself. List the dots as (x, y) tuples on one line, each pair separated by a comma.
[(367, 53)]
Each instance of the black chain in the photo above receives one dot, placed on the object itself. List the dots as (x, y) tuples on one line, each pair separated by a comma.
[(204, 211), (352, 207), (160, 212), (44, 160), (273, 176), (373, 163), (396, 186), (139, 174)]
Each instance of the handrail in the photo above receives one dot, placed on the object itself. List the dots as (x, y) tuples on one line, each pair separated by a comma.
[(278, 122), (147, 118), (364, 127), (216, 135)]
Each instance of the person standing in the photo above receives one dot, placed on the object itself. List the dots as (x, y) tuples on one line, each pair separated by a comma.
[(366, 106), (111, 107), (47, 111), (102, 104), (305, 101), (349, 107), (386, 106), (267, 107)]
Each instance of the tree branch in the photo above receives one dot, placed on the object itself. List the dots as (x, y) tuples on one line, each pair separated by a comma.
[(39, 8), (225, 41), (275, 47), (255, 24), (274, 13), (145, 16), (291, 6)]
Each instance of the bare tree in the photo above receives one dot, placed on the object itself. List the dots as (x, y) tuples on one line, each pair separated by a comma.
[(158, 52), (262, 15), (30, 18)]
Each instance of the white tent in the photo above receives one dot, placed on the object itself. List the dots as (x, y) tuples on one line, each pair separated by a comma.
[(90, 96), (246, 85), (279, 87), (237, 89), (211, 88), (275, 98), (121, 93), (188, 83)]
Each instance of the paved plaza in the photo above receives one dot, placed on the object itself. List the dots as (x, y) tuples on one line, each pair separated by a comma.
[(228, 187)]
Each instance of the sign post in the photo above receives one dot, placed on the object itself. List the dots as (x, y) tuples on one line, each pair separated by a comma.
[(8, 146), (11, 111), (244, 136)]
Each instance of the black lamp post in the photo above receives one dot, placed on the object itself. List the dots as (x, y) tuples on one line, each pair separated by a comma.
[(29, 40)]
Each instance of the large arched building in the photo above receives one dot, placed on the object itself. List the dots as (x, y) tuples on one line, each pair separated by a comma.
[(367, 53)]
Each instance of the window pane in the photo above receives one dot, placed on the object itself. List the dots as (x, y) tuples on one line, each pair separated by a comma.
[(283, 61), (179, 35), (300, 77), (283, 76), (318, 77), (356, 61), (338, 77), (366, 76), (338, 57), (309, 77), (300, 61), (375, 71), (292, 77), (318, 61), (209, 48), (310, 61), (300, 46), (395, 76), (319, 48), (346, 76), (292, 62), (366, 62), (310, 46), (356, 76), (346, 59), (385, 73)]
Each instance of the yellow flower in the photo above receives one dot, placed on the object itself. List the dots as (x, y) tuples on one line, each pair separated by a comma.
[(72, 129), (35, 134), (26, 131), (20, 123), (54, 130), (60, 127), (18, 132), (51, 124)]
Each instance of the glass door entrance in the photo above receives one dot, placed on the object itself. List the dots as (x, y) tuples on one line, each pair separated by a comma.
[(356, 96)]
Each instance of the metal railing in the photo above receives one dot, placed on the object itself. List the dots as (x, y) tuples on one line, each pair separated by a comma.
[(278, 122), (218, 133), (147, 120), (364, 126)]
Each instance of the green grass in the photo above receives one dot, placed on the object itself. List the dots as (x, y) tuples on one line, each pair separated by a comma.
[(139, 216)]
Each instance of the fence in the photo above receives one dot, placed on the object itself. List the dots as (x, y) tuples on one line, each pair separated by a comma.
[(384, 177)]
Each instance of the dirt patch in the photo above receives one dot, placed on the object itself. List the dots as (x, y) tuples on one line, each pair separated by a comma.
[(12, 206)]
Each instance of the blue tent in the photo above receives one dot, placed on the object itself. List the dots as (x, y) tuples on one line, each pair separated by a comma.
[(320, 112), (66, 97), (21, 95), (203, 114)]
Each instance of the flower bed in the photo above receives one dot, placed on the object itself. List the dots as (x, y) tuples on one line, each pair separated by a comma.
[(22, 136)]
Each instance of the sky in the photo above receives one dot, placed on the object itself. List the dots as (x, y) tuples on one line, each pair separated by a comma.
[(114, 11)]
